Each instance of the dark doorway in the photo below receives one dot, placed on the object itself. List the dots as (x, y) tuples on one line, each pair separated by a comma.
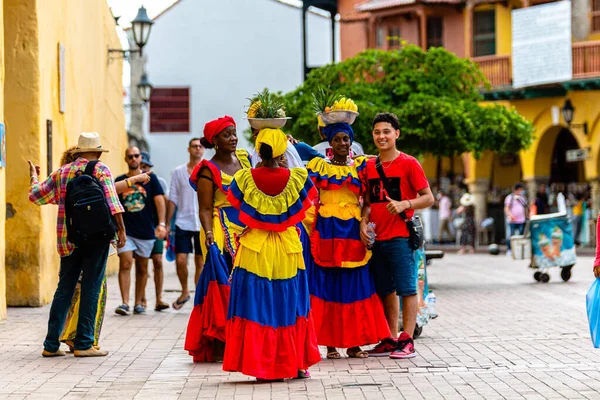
[(563, 171)]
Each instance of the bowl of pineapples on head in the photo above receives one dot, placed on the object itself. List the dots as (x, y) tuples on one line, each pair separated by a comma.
[(334, 108), (266, 111)]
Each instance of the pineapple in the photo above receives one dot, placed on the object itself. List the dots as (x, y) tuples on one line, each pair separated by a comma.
[(266, 105), (254, 109), (323, 100)]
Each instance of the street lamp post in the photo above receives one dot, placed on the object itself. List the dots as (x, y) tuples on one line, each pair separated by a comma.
[(144, 88), (568, 112), (141, 27)]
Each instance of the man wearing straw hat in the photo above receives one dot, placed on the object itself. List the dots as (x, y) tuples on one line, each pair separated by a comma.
[(89, 257)]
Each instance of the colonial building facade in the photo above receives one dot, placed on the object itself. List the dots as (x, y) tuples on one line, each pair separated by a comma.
[(56, 81), (206, 58), (483, 31)]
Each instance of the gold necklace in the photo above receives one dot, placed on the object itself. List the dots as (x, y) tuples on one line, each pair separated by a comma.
[(390, 162), (336, 162)]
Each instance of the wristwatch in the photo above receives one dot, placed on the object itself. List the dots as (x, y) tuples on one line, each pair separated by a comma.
[(163, 224)]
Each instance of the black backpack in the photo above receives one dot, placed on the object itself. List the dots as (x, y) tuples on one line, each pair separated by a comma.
[(88, 216)]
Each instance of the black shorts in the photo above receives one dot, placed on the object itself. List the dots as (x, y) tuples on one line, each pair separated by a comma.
[(183, 242)]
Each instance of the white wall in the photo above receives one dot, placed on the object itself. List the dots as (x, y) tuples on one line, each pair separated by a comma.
[(226, 51)]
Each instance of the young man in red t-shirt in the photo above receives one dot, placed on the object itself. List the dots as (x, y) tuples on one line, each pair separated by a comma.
[(393, 264)]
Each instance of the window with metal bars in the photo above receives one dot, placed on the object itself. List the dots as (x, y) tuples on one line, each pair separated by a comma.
[(170, 110), (394, 38), (435, 32), (484, 33)]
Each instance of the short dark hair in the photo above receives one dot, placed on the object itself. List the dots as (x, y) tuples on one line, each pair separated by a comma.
[(193, 140), (387, 117), (519, 185)]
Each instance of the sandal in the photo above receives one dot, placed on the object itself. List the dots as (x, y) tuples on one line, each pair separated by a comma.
[(333, 355), (161, 305), (179, 303), (357, 354), (303, 375)]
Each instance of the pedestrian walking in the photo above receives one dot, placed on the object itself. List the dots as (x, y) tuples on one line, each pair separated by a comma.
[(83, 239), (221, 225), (270, 330), (578, 218), (393, 263), (516, 211), (468, 229), (182, 198), (141, 230), (341, 285), (159, 244), (445, 216)]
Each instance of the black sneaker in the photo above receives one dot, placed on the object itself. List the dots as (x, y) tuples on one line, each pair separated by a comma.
[(384, 348), (123, 309)]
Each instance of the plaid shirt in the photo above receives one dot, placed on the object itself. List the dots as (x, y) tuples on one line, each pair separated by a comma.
[(54, 189)]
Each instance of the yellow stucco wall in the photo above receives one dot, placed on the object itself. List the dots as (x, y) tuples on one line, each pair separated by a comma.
[(2, 179), (94, 95)]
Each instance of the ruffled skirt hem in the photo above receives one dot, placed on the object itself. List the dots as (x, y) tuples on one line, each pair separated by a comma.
[(270, 353), (348, 325), (207, 323)]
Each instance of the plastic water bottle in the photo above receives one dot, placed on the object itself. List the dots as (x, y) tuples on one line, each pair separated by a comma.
[(371, 231), (431, 300)]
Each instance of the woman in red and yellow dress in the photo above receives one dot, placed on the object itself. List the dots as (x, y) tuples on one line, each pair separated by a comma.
[(220, 226), (270, 332), (346, 309)]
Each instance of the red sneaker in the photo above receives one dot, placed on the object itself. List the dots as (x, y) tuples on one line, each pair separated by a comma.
[(384, 348), (406, 348)]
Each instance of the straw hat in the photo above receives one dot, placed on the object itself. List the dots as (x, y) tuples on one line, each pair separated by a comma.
[(467, 200), (89, 142)]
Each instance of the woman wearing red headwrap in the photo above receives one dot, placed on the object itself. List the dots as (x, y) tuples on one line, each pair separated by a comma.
[(220, 225)]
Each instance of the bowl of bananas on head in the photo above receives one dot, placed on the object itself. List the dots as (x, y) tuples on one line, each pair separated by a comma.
[(343, 110)]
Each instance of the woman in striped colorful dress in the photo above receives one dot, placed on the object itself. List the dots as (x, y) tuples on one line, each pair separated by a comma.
[(346, 309), (220, 226), (270, 332)]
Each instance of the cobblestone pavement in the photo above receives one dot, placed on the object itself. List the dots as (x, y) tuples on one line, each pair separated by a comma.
[(500, 335)]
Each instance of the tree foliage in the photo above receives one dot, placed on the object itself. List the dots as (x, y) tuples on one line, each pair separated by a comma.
[(435, 94)]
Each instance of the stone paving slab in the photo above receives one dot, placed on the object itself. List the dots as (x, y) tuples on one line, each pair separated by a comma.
[(500, 335)]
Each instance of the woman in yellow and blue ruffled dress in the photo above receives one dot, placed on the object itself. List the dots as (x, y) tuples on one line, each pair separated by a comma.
[(220, 227), (346, 309), (270, 332)]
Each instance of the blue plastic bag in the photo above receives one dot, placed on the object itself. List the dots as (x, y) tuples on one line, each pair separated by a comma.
[(170, 247), (592, 301), (171, 240)]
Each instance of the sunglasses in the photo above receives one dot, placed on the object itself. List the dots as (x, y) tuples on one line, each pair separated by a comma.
[(196, 146), (132, 156)]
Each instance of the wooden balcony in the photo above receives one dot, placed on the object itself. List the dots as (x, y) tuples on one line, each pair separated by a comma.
[(496, 68), (586, 64), (586, 59)]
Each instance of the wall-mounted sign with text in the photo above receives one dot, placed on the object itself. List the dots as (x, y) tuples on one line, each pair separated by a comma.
[(541, 44), (577, 155)]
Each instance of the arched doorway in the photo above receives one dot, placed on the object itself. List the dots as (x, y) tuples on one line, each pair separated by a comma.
[(563, 172)]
